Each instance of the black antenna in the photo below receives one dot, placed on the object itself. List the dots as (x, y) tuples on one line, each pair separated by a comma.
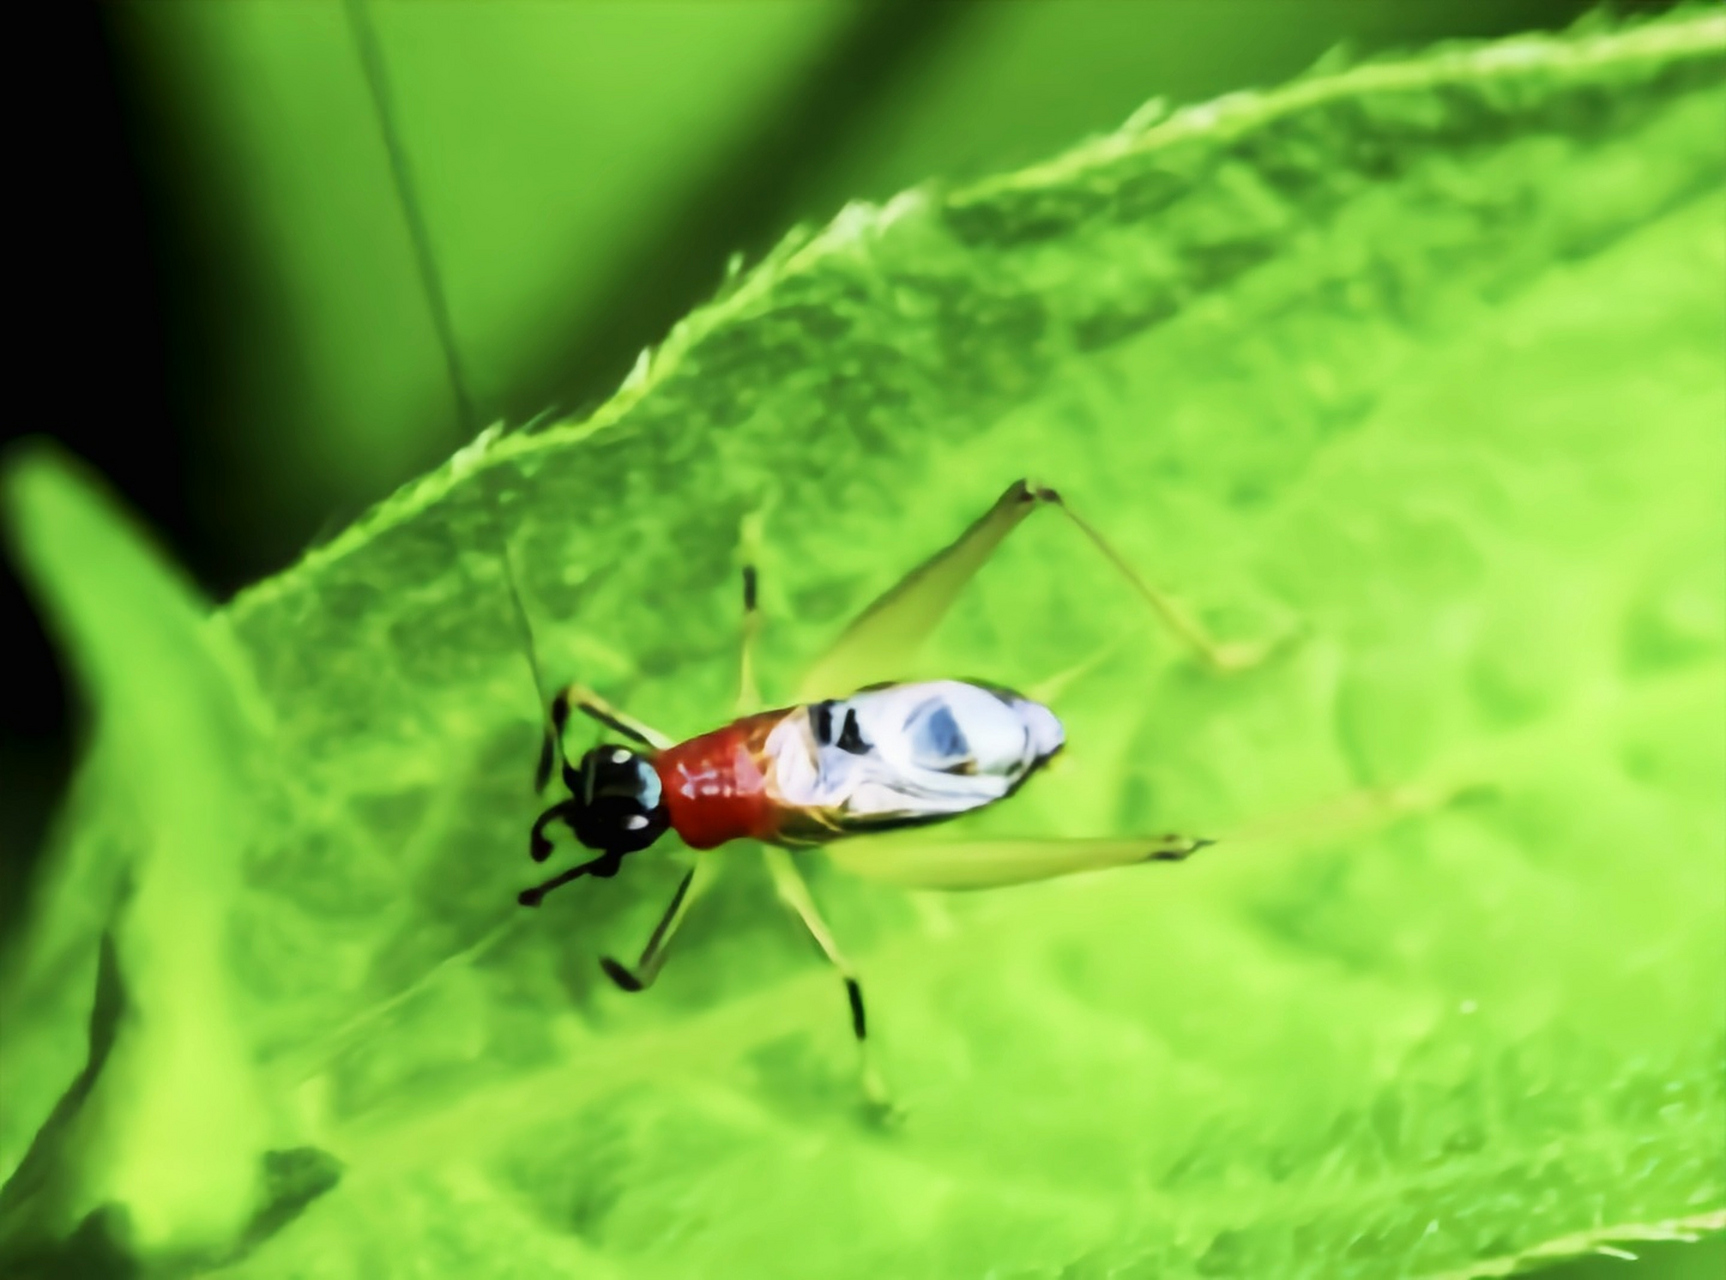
[(372, 61), (551, 747), (518, 608)]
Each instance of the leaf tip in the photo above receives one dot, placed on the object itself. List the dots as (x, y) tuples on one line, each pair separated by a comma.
[(40, 485)]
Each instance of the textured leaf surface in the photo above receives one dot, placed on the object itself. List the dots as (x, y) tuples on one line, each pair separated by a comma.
[(1420, 358)]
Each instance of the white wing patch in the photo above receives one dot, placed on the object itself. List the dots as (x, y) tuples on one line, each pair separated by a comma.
[(908, 751)]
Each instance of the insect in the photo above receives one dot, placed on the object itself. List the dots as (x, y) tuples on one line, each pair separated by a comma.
[(831, 769)]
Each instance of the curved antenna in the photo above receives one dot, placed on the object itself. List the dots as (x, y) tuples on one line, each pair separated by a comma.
[(518, 607), (604, 866), (425, 262), (551, 746), (924, 863)]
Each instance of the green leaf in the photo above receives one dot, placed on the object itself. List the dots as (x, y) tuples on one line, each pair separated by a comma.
[(1421, 358), (165, 806)]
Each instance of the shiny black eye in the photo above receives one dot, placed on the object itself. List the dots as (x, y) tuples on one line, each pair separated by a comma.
[(620, 806)]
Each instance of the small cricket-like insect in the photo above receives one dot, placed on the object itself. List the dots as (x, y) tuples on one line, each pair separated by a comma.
[(829, 769)]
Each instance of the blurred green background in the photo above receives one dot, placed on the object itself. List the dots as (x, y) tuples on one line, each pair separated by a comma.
[(266, 355)]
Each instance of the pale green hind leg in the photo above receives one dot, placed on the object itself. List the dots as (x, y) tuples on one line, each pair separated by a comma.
[(1219, 656), (788, 883), (918, 860), (913, 860), (884, 637)]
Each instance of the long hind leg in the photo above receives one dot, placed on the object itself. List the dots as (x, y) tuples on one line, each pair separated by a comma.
[(794, 893), (694, 884), (887, 634), (579, 697), (1219, 656), (917, 860)]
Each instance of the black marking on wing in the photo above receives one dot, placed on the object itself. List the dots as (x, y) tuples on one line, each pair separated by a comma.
[(547, 758), (821, 719), (850, 736)]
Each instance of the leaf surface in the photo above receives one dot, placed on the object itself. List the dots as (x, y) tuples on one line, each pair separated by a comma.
[(1419, 359)]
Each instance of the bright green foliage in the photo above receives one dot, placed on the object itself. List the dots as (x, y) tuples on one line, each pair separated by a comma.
[(1421, 362)]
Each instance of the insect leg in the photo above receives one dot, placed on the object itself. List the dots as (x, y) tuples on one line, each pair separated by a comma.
[(605, 866), (748, 691), (1049, 689), (1218, 656), (585, 700), (921, 863), (1357, 814), (887, 634), (794, 893), (692, 886)]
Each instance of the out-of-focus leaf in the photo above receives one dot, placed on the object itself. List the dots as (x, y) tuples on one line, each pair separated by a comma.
[(165, 810), (544, 142), (1422, 356)]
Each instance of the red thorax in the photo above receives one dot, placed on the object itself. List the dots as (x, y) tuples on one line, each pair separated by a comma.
[(714, 787)]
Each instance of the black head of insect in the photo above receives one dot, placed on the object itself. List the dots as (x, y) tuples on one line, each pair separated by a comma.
[(616, 806)]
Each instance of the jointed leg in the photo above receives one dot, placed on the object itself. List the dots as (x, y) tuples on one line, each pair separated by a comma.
[(748, 691), (1049, 689), (916, 861), (794, 893), (590, 704), (888, 633), (585, 700), (693, 885), (1354, 814), (1219, 657), (932, 863)]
